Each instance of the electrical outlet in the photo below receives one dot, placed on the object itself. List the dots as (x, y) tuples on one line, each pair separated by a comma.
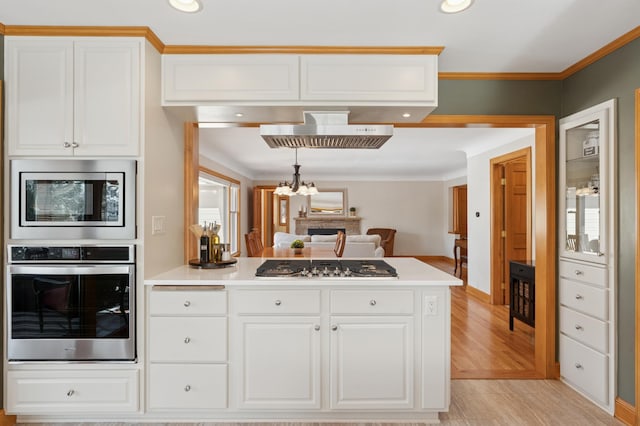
[(157, 225), (431, 307)]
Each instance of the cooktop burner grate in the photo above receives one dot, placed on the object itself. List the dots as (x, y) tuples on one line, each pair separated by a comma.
[(325, 268)]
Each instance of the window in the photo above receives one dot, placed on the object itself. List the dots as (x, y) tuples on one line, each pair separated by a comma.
[(219, 202)]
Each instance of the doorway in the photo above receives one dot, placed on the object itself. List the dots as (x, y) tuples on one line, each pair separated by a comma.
[(511, 220), (270, 213)]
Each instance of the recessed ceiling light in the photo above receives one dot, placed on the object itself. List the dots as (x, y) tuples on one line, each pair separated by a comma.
[(455, 6), (239, 114), (190, 6), (406, 115)]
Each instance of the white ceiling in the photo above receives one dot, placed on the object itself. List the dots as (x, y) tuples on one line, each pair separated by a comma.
[(494, 36)]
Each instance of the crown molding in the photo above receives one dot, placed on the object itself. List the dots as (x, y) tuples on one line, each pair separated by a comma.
[(79, 31)]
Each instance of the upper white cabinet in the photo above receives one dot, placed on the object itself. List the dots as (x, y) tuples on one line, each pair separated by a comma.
[(202, 78), (586, 180), (73, 96), (369, 78), (313, 80)]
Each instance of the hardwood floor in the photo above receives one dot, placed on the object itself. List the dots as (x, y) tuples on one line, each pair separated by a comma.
[(482, 346)]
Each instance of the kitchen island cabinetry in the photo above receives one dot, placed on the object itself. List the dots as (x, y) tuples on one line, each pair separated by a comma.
[(73, 96)]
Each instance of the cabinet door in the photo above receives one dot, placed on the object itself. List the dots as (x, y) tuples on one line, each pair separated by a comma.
[(107, 97), (280, 362), (39, 86), (586, 189), (371, 363)]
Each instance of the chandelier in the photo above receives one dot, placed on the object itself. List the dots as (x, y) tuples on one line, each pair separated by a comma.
[(297, 186)]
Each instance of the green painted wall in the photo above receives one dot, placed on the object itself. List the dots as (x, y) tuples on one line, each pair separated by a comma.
[(617, 76)]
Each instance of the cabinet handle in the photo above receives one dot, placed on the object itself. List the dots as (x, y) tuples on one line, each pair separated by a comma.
[(316, 327), (334, 327), (67, 145), (372, 302), (579, 366), (579, 327), (187, 339), (70, 392), (187, 303), (278, 303), (74, 145), (578, 272), (187, 388), (579, 297)]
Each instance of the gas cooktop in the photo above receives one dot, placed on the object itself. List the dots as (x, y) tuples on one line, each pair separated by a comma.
[(326, 268)]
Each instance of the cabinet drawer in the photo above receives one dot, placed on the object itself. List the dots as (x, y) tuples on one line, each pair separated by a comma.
[(584, 298), (277, 302), (585, 329), (591, 274), (584, 368), (187, 386), (371, 302), (105, 391), (199, 339), (192, 302)]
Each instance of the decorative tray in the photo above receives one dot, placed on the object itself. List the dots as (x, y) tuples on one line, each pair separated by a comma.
[(212, 265)]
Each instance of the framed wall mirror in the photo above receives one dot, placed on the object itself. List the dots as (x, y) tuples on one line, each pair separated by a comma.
[(329, 202)]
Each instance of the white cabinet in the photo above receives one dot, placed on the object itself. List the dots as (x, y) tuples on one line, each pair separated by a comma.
[(279, 362), (302, 80), (371, 362), (72, 391), (73, 96), (279, 352), (586, 268), (188, 352)]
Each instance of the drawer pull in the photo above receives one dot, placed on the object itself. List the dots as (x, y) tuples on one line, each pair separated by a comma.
[(67, 145), (70, 392), (579, 297), (187, 388), (74, 144), (278, 303), (579, 366), (187, 339), (187, 303), (579, 327), (578, 272), (316, 327), (372, 302), (334, 327)]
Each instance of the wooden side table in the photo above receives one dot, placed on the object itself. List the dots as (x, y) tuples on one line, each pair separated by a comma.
[(522, 289)]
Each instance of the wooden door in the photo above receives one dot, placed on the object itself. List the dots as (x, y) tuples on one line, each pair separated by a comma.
[(265, 217), (515, 216)]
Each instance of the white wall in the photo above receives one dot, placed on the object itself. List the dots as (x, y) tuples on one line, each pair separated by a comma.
[(478, 200), (161, 171), (416, 209)]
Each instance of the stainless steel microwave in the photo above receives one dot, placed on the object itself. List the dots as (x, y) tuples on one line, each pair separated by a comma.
[(73, 199)]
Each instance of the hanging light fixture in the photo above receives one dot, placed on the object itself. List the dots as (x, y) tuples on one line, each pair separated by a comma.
[(297, 186)]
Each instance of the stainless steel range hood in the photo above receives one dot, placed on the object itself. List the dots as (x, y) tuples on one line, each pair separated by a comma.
[(326, 129)]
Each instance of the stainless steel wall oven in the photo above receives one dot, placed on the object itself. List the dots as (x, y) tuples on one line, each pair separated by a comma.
[(71, 303), (73, 199)]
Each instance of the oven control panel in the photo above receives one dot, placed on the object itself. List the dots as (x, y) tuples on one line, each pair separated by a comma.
[(75, 254)]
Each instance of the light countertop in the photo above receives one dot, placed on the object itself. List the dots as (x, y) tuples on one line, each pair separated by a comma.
[(411, 272)]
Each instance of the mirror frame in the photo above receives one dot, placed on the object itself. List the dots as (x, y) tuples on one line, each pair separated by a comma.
[(341, 212)]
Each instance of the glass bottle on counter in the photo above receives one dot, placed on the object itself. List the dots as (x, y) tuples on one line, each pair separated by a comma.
[(215, 252)]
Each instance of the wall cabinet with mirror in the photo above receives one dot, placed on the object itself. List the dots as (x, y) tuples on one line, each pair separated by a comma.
[(587, 227)]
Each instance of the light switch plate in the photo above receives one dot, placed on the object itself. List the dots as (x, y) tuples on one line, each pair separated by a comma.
[(157, 225)]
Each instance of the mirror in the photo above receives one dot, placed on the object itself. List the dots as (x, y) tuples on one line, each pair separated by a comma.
[(331, 202)]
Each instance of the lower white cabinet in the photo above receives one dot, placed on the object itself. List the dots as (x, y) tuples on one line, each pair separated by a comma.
[(188, 352), (72, 391), (371, 362), (279, 362)]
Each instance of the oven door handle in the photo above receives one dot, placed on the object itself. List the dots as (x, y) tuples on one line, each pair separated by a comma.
[(70, 270)]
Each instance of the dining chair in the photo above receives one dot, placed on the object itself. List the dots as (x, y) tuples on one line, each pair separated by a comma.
[(341, 241), (254, 243)]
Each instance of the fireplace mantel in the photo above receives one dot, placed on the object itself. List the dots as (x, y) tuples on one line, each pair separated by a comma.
[(350, 223)]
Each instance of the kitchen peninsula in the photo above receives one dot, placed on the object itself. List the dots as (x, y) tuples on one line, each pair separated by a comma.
[(225, 345)]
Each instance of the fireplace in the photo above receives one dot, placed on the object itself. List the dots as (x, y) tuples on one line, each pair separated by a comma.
[(325, 231)]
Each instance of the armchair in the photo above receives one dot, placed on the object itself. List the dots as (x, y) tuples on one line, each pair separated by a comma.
[(387, 236)]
